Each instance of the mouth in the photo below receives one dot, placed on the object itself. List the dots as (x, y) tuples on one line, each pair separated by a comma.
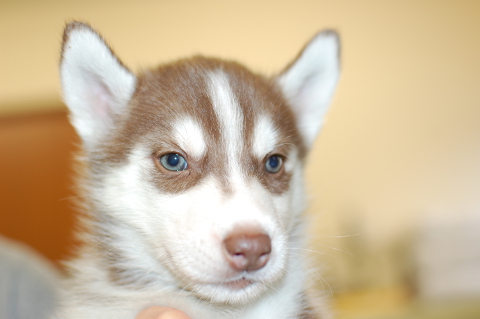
[(239, 283)]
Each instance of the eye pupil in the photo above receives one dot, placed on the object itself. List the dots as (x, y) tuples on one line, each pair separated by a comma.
[(273, 161), (173, 162), (173, 159)]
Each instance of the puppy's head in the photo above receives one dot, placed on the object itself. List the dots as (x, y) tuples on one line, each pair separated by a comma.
[(199, 161)]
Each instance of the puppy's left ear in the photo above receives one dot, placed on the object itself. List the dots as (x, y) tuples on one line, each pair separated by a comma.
[(310, 81), (96, 85)]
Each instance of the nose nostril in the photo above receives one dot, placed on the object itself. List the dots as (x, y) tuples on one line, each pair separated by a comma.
[(247, 251)]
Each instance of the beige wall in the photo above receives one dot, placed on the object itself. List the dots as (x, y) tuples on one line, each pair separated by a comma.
[(402, 141)]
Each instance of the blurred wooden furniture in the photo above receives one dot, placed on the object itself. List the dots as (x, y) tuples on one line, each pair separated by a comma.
[(36, 175)]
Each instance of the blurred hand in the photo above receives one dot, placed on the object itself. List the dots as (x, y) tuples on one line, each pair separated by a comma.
[(161, 313)]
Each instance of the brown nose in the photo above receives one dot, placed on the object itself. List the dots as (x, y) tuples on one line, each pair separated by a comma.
[(247, 251)]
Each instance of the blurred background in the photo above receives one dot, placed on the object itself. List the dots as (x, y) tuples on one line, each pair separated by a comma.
[(394, 178)]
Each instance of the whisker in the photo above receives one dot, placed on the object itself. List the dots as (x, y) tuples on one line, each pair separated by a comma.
[(338, 249), (323, 280), (338, 236)]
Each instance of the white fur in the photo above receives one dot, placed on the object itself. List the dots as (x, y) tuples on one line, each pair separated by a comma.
[(228, 111), (265, 136), (309, 84), (168, 224), (190, 137)]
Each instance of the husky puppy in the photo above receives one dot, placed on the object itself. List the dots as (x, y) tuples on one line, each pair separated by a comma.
[(192, 182)]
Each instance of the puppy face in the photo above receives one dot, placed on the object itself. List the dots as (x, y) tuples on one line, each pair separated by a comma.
[(199, 162), (238, 155)]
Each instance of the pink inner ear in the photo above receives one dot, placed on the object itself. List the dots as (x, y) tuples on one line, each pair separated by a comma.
[(100, 100)]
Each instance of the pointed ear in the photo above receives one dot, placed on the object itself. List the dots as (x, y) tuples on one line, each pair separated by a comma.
[(96, 86), (310, 81)]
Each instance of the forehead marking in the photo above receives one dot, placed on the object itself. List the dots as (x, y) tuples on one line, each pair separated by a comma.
[(228, 112), (265, 136), (189, 136)]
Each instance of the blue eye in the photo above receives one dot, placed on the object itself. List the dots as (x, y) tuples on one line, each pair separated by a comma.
[(274, 164), (173, 162)]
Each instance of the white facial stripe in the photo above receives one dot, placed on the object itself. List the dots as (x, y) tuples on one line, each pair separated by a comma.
[(228, 112), (265, 137), (190, 137)]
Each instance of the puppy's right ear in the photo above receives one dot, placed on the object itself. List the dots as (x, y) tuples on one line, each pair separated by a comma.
[(96, 86)]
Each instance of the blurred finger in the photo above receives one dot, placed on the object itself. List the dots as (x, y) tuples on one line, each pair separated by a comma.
[(161, 313)]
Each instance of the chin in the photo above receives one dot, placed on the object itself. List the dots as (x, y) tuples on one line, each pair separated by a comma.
[(232, 292)]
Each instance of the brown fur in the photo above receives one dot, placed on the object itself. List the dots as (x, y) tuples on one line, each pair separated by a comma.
[(180, 90)]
